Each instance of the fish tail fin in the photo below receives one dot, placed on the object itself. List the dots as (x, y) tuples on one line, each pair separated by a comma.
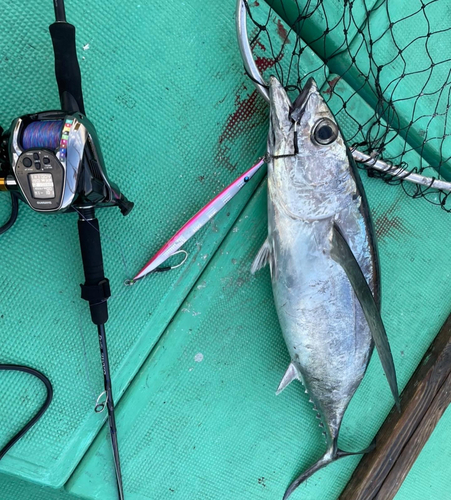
[(326, 459), (332, 454)]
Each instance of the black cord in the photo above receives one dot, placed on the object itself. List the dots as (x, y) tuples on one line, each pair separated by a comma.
[(39, 414), (25, 369), (60, 11), (14, 213)]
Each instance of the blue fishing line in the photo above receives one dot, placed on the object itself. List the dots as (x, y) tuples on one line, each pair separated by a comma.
[(45, 134)]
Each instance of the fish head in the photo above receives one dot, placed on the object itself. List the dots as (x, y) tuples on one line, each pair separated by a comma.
[(307, 150)]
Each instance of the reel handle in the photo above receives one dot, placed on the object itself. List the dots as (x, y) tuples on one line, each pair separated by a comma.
[(67, 69)]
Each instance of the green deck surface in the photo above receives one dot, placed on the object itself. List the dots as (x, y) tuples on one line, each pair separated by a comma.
[(196, 354)]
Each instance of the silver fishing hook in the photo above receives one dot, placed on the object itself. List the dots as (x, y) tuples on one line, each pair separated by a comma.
[(183, 261), (101, 405), (131, 282)]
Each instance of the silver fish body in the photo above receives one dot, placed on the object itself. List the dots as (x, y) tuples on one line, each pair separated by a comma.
[(313, 192), (322, 321)]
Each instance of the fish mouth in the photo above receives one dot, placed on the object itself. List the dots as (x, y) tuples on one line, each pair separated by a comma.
[(301, 101)]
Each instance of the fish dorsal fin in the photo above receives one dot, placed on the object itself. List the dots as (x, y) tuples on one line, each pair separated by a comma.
[(342, 254), (290, 375), (263, 257)]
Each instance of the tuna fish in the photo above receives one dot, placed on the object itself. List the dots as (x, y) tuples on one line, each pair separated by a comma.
[(323, 261)]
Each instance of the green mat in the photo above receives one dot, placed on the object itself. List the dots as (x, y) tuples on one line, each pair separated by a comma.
[(196, 354)]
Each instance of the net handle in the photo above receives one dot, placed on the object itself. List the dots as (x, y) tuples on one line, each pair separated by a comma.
[(246, 51)]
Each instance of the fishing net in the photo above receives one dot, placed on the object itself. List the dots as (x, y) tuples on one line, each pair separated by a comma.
[(384, 67)]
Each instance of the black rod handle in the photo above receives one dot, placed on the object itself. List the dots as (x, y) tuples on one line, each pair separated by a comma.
[(96, 289), (67, 69)]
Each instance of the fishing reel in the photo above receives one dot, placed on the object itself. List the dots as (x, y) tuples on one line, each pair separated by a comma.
[(54, 162)]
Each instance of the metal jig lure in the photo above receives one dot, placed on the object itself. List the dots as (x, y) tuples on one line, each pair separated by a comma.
[(172, 247)]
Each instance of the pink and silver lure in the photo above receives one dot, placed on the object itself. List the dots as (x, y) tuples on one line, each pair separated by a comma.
[(196, 223)]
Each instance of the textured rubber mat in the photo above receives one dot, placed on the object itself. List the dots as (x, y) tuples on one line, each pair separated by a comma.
[(206, 421), (178, 121), (13, 488)]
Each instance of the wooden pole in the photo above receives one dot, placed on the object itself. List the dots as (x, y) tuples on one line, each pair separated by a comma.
[(402, 436)]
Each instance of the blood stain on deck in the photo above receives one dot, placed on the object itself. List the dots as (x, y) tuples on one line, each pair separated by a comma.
[(246, 108), (331, 84), (389, 225), (282, 32), (250, 112)]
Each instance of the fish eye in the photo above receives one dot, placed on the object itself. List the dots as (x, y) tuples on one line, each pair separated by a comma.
[(325, 132)]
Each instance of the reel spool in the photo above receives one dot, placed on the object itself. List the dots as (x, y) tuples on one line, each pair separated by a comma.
[(43, 135)]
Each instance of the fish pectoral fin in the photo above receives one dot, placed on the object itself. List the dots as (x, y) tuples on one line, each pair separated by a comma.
[(342, 254), (290, 375), (263, 257)]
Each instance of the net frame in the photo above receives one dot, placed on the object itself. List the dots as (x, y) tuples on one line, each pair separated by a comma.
[(375, 142)]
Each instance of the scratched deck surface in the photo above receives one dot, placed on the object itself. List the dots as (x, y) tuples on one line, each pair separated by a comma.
[(199, 418)]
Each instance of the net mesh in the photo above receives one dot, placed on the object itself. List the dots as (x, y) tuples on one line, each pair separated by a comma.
[(385, 71)]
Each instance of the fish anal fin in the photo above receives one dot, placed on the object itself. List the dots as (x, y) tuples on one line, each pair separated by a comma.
[(342, 254), (290, 375), (263, 257)]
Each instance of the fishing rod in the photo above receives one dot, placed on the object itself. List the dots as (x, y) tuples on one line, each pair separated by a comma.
[(52, 161), (60, 11)]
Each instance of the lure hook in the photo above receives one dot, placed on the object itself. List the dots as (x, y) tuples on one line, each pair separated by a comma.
[(131, 282), (100, 405), (184, 259)]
